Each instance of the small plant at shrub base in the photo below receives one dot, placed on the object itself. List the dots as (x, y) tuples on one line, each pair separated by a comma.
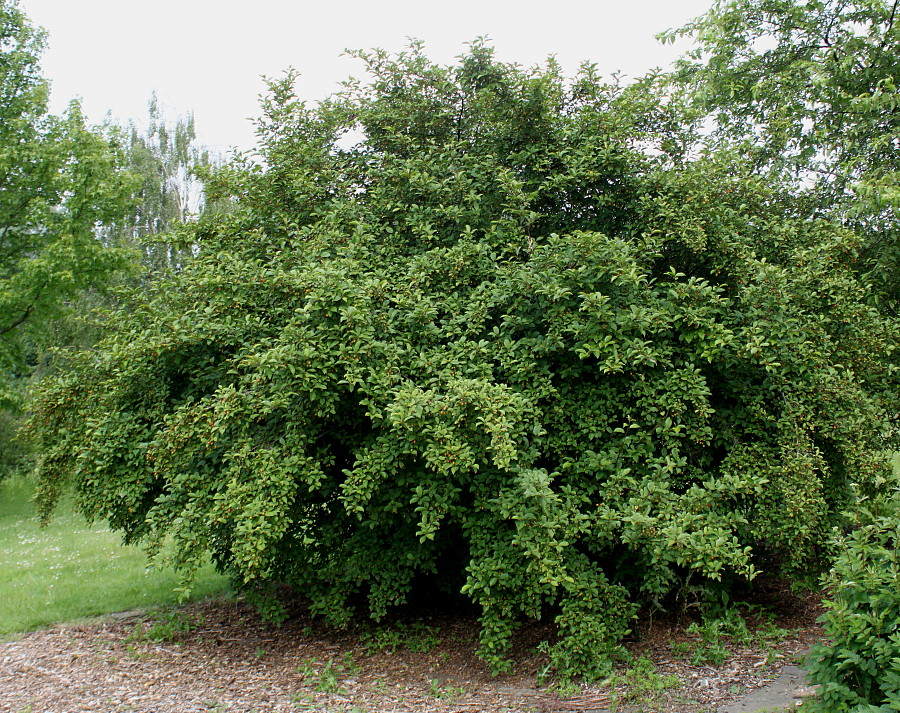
[(417, 637), (498, 346), (167, 625), (640, 683), (725, 626), (859, 670)]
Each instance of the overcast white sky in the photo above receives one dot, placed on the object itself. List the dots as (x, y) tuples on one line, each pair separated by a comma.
[(207, 56)]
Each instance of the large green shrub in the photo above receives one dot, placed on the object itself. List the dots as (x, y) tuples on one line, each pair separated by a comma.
[(517, 342), (859, 668)]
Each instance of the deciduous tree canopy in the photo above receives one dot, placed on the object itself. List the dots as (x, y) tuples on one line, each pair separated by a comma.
[(512, 343), (58, 180), (809, 89)]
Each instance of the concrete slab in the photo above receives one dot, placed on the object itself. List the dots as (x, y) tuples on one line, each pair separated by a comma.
[(783, 694)]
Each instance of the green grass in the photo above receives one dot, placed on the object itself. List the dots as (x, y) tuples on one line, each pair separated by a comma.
[(71, 570)]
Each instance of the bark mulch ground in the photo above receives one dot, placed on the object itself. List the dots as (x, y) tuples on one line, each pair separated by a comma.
[(219, 656)]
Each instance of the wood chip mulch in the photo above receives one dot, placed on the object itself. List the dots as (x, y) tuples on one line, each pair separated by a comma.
[(231, 661)]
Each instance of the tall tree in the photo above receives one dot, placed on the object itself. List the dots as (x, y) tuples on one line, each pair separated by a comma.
[(810, 89), (167, 162), (59, 179)]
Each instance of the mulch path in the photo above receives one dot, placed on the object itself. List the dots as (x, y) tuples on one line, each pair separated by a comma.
[(229, 660)]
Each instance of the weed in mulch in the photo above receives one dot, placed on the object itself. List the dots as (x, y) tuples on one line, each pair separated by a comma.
[(417, 637), (716, 638), (167, 625), (641, 684), (326, 677), (445, 692)]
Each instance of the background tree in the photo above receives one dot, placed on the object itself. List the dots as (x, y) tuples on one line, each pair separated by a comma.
[(58, 181), (810, 90), (168, 164), (522, 343)]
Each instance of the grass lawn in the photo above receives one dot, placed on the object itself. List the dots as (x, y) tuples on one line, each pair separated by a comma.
[(71, 569)]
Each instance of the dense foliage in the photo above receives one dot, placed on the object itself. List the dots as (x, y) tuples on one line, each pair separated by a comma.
[(858, 668), (809, 88), (512, 343), (59, 179)]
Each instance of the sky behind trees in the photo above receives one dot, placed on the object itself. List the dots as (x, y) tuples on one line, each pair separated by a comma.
[(208, 55)]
